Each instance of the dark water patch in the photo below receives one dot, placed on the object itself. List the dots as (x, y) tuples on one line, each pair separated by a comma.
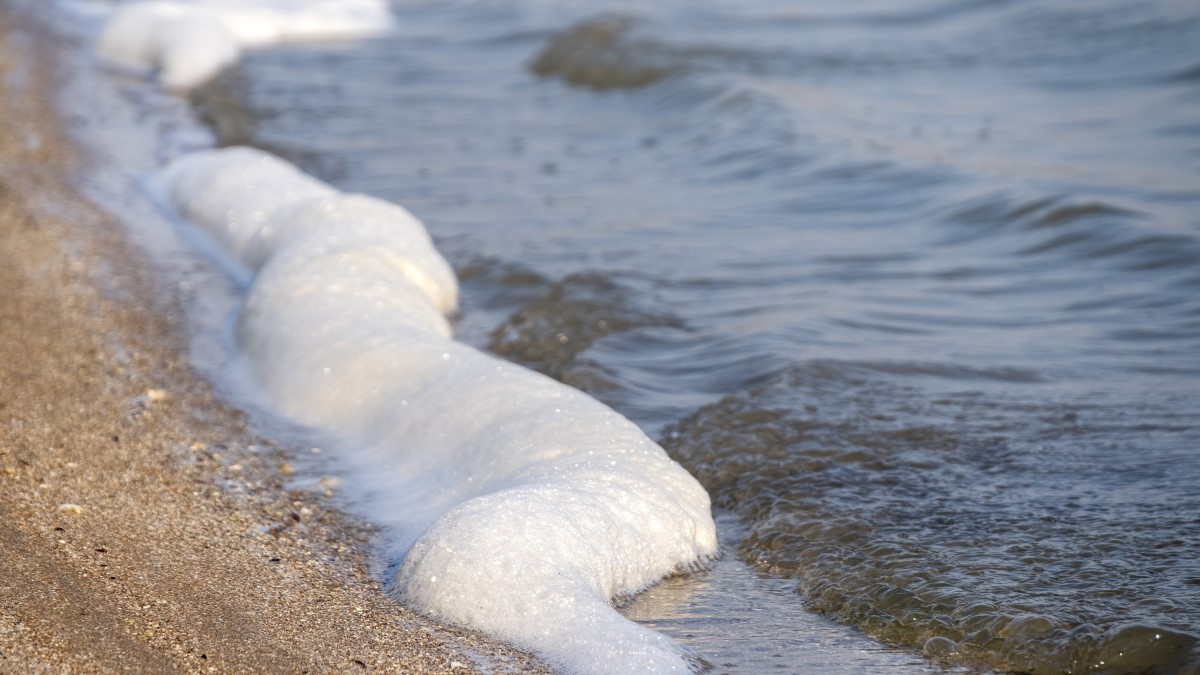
[(945, 371), (881, 327), (617, 51), (1005, 529), (1181, 130), (1191, 74), (566, 318), (600, 53), (1183, 332), (1060, 49), (1070, 213), (490, 289), (221, 105), (497, 283)]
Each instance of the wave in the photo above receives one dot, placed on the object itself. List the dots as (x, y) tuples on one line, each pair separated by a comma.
[(523, 506), (1078, 230), (993, 529)]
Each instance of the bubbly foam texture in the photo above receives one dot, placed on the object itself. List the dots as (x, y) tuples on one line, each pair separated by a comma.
[(189, 42), (522, 507)]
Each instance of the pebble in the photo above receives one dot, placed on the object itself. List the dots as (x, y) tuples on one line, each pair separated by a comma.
[(71, 508), (157, 395)]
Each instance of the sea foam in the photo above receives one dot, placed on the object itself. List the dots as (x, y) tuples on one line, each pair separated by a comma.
[(189, 42), (521, 507)]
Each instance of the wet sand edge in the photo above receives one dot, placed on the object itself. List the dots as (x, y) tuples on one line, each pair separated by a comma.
[(143, 527)]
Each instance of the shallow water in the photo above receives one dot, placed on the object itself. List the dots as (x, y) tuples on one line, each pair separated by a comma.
[(915, 292)]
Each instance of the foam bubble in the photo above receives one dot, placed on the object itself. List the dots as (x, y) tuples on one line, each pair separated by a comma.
[(188, 42), (522, 507)]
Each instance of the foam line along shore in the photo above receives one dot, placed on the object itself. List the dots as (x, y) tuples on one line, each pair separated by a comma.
[(501, 488), (143, 525), (521, 506)]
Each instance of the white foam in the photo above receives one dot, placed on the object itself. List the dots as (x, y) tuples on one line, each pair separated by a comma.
[(523, 506), (190, 41)]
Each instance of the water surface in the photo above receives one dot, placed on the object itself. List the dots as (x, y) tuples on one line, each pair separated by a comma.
[(914, 291)]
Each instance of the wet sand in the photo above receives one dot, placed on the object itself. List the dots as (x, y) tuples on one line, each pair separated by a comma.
[(143, 528)]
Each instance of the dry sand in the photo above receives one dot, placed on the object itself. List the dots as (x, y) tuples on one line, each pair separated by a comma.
[(140, 530)]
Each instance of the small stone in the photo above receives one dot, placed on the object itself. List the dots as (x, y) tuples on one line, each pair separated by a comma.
[(71, 508), (156, 395), (286, 469)]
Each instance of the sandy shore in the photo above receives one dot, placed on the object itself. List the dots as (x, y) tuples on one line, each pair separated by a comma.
[(142, 527)]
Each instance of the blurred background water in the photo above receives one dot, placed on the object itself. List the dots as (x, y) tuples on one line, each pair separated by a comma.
[(912, 288)]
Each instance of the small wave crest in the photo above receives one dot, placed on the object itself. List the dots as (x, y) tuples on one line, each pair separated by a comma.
[(1078, 229), (985, 528)]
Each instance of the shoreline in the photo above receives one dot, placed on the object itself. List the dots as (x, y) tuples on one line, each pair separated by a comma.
[(143, 527)]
